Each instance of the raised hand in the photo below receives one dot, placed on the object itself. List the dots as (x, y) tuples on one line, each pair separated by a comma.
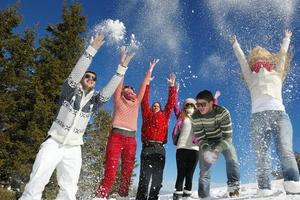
[(288, 33), (217, 94), (171, 79), (233, 39), (125, 57), (98, 41), (177, 86), (152, 64)]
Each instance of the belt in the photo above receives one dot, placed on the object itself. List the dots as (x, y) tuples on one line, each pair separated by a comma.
[(149, 142)]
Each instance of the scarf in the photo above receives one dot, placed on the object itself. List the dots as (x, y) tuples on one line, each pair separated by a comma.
[(259, 64)]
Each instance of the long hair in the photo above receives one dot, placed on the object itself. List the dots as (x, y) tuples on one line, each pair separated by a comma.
[(259, 53)]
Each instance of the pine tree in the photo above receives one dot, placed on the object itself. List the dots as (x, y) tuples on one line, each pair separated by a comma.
[(17, 65)]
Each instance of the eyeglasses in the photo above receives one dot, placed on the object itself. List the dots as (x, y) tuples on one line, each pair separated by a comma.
[(89, 76), (202, 105)]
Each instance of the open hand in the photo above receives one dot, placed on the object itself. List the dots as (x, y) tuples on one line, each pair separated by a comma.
[(98, 41), (152, 64), (233, 39), (172, 79), (125, 57), (288, 33)]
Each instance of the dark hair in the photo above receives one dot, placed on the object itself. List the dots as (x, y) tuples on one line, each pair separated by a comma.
[(128, 86), (157, 103), (91, 72), (206, 95)]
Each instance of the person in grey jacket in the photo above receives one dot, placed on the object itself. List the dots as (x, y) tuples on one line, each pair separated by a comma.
[(62, 148)]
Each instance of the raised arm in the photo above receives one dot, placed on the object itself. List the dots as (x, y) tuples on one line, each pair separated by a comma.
[(172, 95), (115, 81), (145, 102), (241, 58), (146, 80), (85, 60), (216, 96), (176, 107), (283, 51)]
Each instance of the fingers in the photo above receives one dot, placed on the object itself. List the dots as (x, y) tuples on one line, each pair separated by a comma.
[(232, 39)]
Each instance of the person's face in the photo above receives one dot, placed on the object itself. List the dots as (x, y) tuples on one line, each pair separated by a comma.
[(88, 81), (156, 107), (204, 106), (128, 90)]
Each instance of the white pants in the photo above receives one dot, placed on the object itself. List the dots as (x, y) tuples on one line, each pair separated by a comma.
[(67, 162)]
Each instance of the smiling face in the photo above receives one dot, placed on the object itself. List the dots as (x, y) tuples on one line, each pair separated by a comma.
[(204, 106), (156, 107), (88, 81)]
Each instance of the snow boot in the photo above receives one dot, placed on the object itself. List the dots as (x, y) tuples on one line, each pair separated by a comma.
[(292, 187)]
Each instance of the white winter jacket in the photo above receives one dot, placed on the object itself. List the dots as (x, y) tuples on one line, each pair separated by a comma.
[(263, 82), (76, 107)]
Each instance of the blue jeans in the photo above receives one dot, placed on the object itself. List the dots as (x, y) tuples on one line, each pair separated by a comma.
[(232, 170), (276, 125)]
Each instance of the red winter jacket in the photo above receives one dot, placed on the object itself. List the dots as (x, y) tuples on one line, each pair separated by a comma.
[(155, 125)]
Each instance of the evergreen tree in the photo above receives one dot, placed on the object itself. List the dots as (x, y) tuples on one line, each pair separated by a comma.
[(17, 65)]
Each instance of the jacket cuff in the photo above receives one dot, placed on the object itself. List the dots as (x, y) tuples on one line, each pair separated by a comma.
[(91, 50), (121, 70)]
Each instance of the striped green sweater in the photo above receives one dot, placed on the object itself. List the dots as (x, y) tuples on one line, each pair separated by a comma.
[(213, 130)]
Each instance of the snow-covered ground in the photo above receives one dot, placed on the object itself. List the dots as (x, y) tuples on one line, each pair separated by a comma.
[(248, 191)]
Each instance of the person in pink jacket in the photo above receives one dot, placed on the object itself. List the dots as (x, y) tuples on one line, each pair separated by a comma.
[(122, 141)]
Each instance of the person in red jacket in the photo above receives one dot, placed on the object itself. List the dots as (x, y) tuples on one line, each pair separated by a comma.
[(154, 136)]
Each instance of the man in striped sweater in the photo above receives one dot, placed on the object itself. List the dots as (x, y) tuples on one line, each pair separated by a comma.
[(213, 130)]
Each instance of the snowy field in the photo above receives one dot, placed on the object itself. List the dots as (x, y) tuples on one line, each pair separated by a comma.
[(248, 191)]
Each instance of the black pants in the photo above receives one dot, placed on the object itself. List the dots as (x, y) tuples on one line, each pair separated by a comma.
[(152, 165), (186, 163)]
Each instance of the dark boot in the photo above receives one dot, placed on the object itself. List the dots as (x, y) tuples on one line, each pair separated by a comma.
[(177, 195)]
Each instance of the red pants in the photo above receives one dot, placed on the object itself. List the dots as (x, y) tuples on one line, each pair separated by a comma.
[(123, 147)]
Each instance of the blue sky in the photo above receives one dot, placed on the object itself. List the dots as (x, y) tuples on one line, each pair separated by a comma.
[(191, 39)]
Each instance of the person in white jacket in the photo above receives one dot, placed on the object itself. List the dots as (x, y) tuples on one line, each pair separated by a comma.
[(264, 73), (61, 150)]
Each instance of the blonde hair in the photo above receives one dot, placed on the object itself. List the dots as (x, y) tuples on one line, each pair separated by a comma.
[(259, 53)]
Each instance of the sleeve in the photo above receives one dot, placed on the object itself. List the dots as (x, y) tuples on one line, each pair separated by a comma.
[(176, 108), (283, 51), (143, 86), (215, 101), (242, 61), (226, 128), (171, 102), (145, 102), (78, 71), (112, 85), (118, 91)]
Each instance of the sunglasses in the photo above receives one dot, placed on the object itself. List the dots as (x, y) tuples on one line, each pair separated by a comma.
[(189, 105), (89, 76)]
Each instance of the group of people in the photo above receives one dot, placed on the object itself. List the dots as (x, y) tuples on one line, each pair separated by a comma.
[(202, 132)]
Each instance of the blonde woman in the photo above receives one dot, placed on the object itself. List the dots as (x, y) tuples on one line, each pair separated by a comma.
[(264, 73)]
